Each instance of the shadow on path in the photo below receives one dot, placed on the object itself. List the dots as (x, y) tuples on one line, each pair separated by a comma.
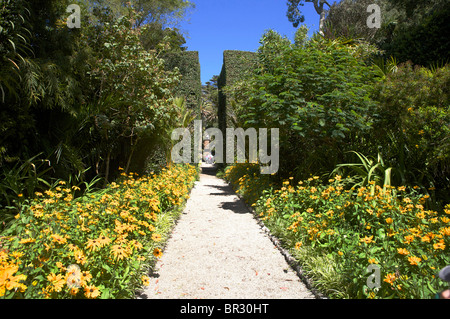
[(209, 170)]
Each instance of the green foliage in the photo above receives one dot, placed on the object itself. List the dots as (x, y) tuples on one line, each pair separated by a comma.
[(348, 19), (187, 63), (316, 92), (236, 66), (88, 99), (366, 171), (210, 102), (414, 31), (413, 128)]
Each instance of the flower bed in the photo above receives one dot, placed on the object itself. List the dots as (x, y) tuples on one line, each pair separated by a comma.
[(96, 246), (336, 232)]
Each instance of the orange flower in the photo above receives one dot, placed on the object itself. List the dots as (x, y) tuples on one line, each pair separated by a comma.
[(157, 252), (91, 292), (445, 231), (413, 260), (439, 245), (408, 239), (389, 220), (402, 251), (390, 278), (119, 252)]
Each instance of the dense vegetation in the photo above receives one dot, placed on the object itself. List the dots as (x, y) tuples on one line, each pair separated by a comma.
[(331, 102), (78, 103), (364, 119), (364, 152), (83, 112), (337, 231), (99, 245)]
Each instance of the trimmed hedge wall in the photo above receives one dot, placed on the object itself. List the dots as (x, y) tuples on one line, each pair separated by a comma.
[(235, 66), (191, 86)]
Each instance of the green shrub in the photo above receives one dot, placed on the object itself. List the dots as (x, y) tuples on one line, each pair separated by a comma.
[(412, 126), (316, 92)]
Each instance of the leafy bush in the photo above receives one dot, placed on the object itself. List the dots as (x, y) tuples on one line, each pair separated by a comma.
[(412, 121), (316, 92), (98, 245)]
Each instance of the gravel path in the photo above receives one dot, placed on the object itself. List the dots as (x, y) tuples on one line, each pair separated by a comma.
[(217, 250)]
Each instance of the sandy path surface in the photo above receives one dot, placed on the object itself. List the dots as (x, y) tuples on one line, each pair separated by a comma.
[(218, 250)]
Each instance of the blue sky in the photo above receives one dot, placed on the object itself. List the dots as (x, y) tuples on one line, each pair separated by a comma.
[(218, 25)]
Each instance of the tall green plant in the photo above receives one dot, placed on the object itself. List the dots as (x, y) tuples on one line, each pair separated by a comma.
[(367, 172)]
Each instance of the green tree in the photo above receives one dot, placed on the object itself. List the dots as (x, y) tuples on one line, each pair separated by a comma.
[(348, 19), (296, 16)]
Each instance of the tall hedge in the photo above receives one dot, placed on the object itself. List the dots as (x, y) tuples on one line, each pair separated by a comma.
[(235, 66), (191, 86)]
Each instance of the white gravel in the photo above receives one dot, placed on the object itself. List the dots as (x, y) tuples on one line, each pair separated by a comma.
[(217, 250)]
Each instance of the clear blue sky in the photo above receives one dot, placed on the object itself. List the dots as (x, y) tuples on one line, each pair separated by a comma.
[(218, 25)]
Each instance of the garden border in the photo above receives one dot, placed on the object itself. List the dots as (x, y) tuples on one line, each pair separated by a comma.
[(293, 263)]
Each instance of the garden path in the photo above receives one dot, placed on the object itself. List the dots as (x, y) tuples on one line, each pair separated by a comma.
[(218, 250)]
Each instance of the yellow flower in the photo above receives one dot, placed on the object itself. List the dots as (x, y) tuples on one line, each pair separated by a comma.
[(85, 277), (373, 261), (58, 239), (57, 282), (93, 244), (157, 253), (27, 240), (340, 253), (367, 239), (420, 215), (91, 292), (119, 252), (145, 280), (103, 240), (413, 260), (298, 245), (156, 237), (389, 220)]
